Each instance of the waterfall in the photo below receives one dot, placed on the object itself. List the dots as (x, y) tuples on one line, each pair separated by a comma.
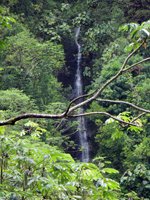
[(79, 91)]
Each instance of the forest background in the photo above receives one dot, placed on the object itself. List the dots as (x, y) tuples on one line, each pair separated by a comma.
[(39, 158)]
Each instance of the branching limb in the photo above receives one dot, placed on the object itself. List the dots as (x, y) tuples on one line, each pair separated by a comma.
[(97, 92), (12, 121), (124, 102)]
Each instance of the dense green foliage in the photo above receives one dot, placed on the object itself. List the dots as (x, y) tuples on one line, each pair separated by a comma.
[(37, 67), (34, 170)]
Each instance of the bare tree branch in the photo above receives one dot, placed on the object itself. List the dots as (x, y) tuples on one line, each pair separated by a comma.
[(144, 60), (12, 121), (104, 113), (124, 102)]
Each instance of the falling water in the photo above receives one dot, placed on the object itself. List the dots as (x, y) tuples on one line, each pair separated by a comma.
[(79, 91)]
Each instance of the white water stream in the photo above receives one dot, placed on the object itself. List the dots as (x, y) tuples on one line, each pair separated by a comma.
[(79, 91)]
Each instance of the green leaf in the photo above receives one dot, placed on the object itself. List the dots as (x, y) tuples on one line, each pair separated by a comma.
[(135, 129), (117, 135), (113, 184), (110, 171), (2, 130)]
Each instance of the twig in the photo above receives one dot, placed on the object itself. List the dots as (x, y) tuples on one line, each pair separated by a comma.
[(128, 68), (136, 118)]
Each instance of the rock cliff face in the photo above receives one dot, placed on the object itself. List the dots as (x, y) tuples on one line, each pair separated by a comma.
[(73, 77)]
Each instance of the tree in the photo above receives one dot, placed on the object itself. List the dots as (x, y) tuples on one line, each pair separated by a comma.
[(29, 62), (6, 22)]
